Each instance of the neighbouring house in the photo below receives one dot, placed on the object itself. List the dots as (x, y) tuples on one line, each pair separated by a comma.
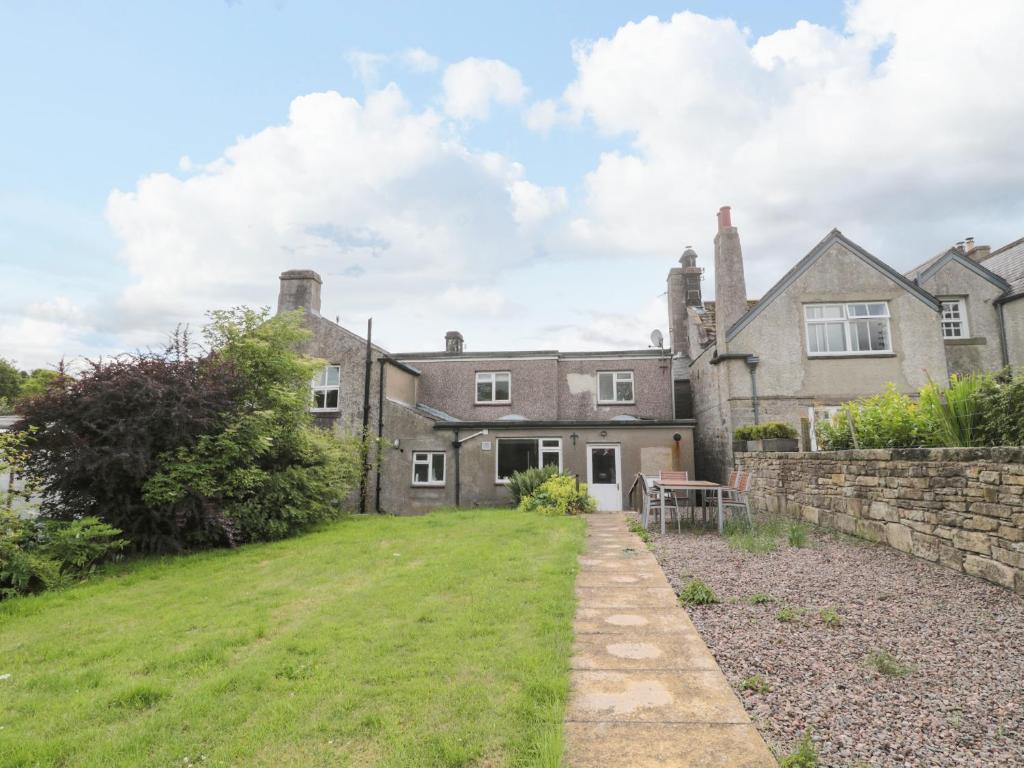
[(453, 425), (840, 325)]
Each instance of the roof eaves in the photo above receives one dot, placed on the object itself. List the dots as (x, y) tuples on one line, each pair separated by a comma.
[(835, 236)]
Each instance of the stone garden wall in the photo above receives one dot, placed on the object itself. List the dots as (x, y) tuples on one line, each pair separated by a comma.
[(961, 507)]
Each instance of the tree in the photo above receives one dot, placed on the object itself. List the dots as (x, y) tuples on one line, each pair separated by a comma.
[(100, 435), (10, 381), (270, 472), (37, 382)]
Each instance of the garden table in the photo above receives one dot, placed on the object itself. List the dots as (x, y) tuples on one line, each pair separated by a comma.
[(687, 485)]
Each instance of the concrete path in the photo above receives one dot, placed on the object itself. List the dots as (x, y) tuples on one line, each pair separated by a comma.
[(646, 690)]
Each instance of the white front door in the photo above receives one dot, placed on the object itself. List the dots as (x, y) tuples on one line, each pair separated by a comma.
[(604, 481)]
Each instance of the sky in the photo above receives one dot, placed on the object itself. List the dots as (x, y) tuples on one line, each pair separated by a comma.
[(526, 173)]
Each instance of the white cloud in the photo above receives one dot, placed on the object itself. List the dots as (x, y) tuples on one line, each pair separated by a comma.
[(905, 143), (542, 116), (375, 196), (418, 60), (472, 85), (366, 66)]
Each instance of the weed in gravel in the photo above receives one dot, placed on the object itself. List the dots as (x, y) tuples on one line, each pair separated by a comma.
[(697, 593), (804, 756), (787, 614), (797, 535), (886, 664), (758, 539), (756, 683), (639, 530), (761, 598), (830, 617)]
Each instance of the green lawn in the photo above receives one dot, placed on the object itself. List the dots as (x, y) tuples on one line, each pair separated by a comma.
[(433, 641)]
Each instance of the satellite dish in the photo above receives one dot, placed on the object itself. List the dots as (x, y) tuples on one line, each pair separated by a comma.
[(657, 339)]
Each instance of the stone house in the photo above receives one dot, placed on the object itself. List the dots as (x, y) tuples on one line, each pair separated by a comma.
[(453, 425), (840, 325)]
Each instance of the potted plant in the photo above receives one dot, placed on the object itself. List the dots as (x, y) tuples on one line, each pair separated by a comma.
[(770, 436)]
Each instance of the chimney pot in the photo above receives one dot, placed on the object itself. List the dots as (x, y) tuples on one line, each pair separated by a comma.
[(724, 217), (453, 342)]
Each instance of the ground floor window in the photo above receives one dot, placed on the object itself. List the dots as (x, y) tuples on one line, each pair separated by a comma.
[(516, 454), (428, 467)]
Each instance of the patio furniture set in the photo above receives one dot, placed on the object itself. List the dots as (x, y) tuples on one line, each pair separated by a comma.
[(669, 493)]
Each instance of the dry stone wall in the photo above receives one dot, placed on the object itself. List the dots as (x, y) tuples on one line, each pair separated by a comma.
[(961, 507)]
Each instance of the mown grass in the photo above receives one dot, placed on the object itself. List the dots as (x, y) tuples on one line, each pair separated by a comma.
[(433, 641)]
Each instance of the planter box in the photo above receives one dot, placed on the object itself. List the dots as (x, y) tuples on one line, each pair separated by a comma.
[(739, 446), (774, 444)]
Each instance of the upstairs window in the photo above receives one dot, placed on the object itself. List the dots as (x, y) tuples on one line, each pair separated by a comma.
[(327, 389), (494, 388), (615, 387), (517, 454), (954, 319), (428, 468), (848, 329)]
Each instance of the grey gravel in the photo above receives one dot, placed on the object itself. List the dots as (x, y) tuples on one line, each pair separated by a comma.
[(963, 703)]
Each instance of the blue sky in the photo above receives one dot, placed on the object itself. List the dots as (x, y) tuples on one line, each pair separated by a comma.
[(100, 97)]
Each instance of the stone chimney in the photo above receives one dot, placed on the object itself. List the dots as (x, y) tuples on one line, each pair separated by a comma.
[(453, 343), (683, 291), (730, 285), (299, 288), (976, 253)]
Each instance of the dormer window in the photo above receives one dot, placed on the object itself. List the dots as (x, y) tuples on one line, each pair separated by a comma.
[(615, 387), (493, 387), (326, 388)]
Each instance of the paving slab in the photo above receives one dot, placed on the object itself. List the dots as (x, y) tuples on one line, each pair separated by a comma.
[(654, 696), (642, 650), (661, 745), (594, 597), (646, 691), (609, 620)]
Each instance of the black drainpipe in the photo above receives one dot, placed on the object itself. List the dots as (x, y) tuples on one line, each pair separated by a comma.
[(457, 446), (1003, 347), (366, 418), (380, 435), (752, 362)]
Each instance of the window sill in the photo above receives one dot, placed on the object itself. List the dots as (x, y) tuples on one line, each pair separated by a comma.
[(616, 402), (965, 341), (325, 410), (493, 402), (850, 355), (428, 485)]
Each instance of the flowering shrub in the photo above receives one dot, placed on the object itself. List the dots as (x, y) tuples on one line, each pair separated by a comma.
[(558, 495)]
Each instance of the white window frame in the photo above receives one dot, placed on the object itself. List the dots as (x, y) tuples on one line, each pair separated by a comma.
[(426, 458), (554, 447), (627, 376), (961, 309), (325, 388), (491, 377), (848, 320)]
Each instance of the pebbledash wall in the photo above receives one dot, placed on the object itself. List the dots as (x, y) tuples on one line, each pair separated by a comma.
[(961, 507)]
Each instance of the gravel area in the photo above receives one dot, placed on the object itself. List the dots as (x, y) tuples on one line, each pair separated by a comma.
[(962, 704)]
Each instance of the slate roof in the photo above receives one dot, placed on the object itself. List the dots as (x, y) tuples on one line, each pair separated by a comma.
[(1008, 263)]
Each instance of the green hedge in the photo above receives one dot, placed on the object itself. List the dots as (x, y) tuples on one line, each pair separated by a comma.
[(771, 430), (973, 410)]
